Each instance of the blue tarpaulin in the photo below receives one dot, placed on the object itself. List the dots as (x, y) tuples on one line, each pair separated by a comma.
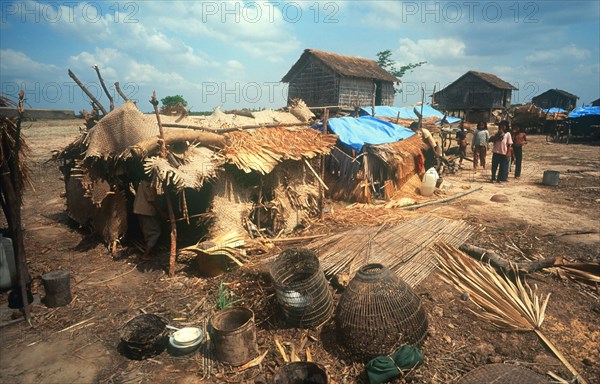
[(584, 111), (553, 110), (356, 132), (408, 112)]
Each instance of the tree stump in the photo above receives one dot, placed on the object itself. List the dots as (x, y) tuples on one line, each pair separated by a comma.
[(57, 285)]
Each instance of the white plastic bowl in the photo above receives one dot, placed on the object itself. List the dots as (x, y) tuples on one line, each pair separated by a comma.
[(187, 336), (179, 350)]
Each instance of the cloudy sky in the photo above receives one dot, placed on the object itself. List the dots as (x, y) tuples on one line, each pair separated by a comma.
[(233, 54)]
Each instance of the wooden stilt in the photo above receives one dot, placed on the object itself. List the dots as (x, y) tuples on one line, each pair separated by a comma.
[(163, 154)]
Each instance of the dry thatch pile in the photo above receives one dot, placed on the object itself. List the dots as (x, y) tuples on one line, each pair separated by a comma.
[(262, 149)]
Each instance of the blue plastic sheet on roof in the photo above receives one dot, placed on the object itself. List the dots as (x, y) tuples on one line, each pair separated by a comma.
[(584, 111), (356, 132), (553, 110), (408, 112)]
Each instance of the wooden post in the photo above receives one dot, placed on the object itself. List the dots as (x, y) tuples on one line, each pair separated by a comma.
[(118, 88), (110, 98), (422, 102), (260, 186), (322, 170), (163, 154), (11, 191), (373, 98), (87, 92)]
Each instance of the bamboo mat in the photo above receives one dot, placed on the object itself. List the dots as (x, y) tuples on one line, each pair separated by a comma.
[(404, 248)]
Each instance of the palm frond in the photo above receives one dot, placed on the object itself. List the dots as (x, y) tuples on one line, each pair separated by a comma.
[(506, 304)]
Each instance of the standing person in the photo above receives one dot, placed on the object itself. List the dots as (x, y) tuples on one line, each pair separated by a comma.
[(461, 138), (519, 139), (146, 210), (501, 152), (479, 144)]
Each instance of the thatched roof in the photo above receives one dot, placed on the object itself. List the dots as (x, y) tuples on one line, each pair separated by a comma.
[(558, 91), (491, 79), (262, 149), (343, 65)]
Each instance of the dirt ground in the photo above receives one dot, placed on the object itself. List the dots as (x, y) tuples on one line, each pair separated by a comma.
[(78, 343)]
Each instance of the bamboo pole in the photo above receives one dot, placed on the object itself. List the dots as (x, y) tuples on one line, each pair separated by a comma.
[(163, 154), (110, 98), (455, 196), (87, 92), (322, 170)]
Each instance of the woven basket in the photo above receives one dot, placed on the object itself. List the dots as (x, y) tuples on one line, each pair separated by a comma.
[(502, 374), (144, 336), (301, 288), (377, 313)]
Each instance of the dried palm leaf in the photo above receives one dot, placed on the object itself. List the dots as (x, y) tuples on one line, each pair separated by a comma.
[(187, 171), (584, 272), (505, 304), (228, 244)]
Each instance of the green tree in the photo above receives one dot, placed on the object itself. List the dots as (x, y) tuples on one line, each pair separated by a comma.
[(172, 101), (384, 59)]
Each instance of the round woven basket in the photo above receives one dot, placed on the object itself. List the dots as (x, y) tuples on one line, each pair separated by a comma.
[(144, 336), (301, 288), (377, 313), (502, 374)]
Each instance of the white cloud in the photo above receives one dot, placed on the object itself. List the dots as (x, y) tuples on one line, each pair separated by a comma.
[(17, 63), (120, 66), (430, 50), (566, 53)]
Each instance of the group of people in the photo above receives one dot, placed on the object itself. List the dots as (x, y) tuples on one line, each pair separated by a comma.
[(507, 147)]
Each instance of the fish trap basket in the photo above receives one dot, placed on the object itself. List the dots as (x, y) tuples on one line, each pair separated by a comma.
[(377, 313), (502, 374), (301, 288), (144, 336)]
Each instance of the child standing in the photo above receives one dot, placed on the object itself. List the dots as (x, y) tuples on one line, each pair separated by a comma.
[(479, 144), (501, 152), (519, 140)]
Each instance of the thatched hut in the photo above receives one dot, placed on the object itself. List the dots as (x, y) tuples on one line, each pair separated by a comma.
[(475, 95), (328, 79), (250, 180), (374, 158), (555, 98)]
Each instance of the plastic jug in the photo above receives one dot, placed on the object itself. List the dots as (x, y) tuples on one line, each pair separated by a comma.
[(430, 178), (8, 269)]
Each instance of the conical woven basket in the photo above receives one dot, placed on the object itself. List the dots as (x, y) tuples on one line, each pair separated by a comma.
[(502, 374), (377, 313)]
